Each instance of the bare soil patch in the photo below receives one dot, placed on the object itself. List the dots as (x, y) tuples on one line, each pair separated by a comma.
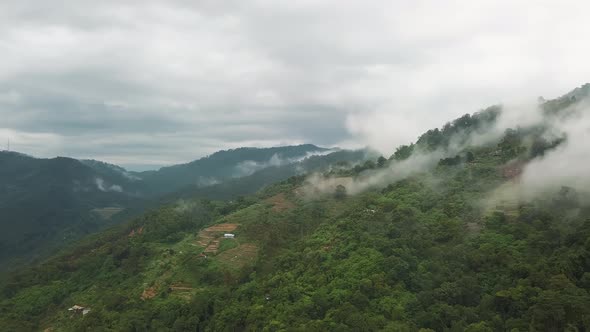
[(180, 287), (227, 227), (280, 203), (149, 293)]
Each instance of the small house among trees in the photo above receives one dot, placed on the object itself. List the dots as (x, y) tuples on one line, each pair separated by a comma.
[(79, 310)]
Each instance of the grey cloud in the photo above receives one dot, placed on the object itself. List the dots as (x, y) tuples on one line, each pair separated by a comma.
[(67, 116), (154, 82)]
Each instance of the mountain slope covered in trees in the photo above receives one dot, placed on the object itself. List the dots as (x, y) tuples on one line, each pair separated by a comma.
[(225, 165), (45, 203), (48, 204), (436, 238)]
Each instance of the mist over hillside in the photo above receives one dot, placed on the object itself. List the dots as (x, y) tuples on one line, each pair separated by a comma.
[(225, 165), (49, 204), (478, 225), (553, 135)]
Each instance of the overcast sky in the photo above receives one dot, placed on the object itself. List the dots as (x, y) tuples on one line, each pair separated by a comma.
[(150, 83)]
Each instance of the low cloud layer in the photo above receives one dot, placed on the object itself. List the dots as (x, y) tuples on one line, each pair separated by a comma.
[(146, 84), (541, 176), (102, 186), (567, 165), (249, 167), (379, 178)]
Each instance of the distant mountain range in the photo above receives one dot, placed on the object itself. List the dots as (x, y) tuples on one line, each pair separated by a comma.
[(46, 204), (224, 165)]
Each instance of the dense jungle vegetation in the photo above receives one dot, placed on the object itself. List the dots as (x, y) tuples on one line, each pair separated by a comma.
[(445, 249)]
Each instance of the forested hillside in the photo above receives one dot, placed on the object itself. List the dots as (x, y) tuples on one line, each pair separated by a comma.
[(441, 236), (224, 165), (49, 204), (246, 185)]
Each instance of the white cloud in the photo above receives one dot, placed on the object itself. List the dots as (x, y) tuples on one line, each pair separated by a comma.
[(100, 185), (567, 165), (211, 75), (249, 167)]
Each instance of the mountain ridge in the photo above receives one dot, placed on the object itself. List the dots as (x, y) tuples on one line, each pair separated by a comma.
[(73, 198)]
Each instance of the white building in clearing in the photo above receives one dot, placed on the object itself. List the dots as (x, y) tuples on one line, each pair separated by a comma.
[(229, 235), (79, 310)]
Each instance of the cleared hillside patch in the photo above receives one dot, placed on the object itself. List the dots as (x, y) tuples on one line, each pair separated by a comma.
[(210, 237), (236, 258), (280, 203)]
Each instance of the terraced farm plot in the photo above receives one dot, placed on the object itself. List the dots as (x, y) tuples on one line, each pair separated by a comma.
[(226, 227), (183, 291), (209, 238), (212, 247)]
